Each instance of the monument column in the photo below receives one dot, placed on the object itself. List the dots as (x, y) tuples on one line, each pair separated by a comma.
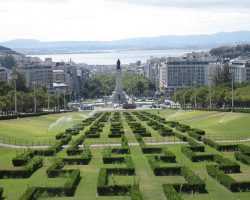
[(118, 96)]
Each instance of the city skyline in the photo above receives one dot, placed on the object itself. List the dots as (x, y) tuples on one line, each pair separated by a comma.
[(110, 20)]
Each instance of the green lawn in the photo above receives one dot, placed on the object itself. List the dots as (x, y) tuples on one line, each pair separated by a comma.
[(214, 123), (150, 185), (37, 128), (44, 128)]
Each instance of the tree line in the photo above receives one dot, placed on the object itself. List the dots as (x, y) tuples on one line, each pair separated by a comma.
[(27, 98), (103, 84), (220, 95)]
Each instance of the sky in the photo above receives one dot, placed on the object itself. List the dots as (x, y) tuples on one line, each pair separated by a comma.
[(74, 20)]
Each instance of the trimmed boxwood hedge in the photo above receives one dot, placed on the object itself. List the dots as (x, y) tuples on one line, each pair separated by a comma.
[(242, 157), (183, 128), (196, 157), (68, 188), (227, 165), (195, 135), (244, 149), (220, 147), (222, 177), (181, 137), (27, 170), (194, 185), (23, 158), (7, 117), (226, 180), (171, 193), (53, 150), (1, 193)]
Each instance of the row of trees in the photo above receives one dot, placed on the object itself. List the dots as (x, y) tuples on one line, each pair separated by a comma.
[(104, 84), (220, 95), (28, 99)]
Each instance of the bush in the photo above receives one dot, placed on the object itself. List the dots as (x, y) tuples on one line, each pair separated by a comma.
[(226, 164), (59, 135), (29, 194), (34, 164), (71, 183), (242, 157), (194, 157), (171, 193), (181, 137), (194, 135), (195, 146), (244, 149), (55, 148), (135, 193), (23, 158), (222, 178), (220, 147), (54, 169), (183, 128), (1, 193)]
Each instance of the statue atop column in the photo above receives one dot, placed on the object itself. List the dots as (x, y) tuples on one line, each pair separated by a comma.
[(118, 96)]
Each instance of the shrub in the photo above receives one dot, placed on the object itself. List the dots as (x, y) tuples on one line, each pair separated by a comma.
[(171, 193), (244, 149), (1, 193), (55, 167), (135, 193), (29, 194), (195, 135), (226, 164), (59, 135), (23, 158), (220, 147), (181, 137), (242, 157), (222, 178), (72, 182), (25, 172)]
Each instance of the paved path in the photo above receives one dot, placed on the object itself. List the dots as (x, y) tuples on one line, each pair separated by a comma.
[(95, 146)]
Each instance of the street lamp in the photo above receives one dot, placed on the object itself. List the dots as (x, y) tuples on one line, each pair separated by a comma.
[(47, 88), (58, 108), (210, 94), (14, 76), (184, 97), (64, 101), (195, 95), (175, 89), (34, 94), (232, 89)]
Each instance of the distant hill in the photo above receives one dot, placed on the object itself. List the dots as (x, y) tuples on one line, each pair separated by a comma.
[(29, 46), (232, 51), (6, 51)]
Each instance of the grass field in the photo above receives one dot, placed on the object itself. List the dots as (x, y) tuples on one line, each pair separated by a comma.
[(37, 128), (44, 128), (150, 185), (214, 123)]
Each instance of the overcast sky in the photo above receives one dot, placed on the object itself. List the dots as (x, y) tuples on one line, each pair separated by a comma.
[(55, 20)]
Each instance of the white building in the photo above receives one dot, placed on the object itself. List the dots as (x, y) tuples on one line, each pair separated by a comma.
[(182, 72), (70, 74), (240, 69), (37, 75)]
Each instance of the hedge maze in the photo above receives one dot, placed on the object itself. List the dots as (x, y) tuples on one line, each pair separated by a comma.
[(122, 170)]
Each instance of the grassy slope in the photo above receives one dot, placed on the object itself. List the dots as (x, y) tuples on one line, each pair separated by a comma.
[(37, 128), (150, 185), (215, 123)]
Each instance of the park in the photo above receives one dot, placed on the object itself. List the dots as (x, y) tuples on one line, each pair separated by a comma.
[(126, 154)]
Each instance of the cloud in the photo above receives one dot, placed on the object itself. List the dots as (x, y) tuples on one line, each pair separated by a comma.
[(37, 1), (191, 3)]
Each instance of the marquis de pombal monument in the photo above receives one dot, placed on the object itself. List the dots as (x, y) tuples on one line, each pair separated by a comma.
[(118, 96)]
